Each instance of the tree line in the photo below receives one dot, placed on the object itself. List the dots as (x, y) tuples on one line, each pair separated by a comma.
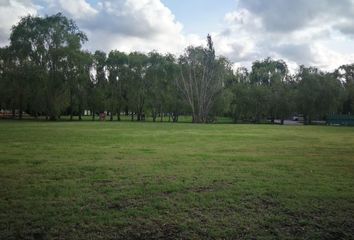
[(45, 72)]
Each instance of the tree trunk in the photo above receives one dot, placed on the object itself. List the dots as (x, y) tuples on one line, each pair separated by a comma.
[(307, 120), (118, 114), (71, 106), (80, 111), (154, 115), (20, 107), (197, 119), (132, 116), (175, 117), (93, 115)]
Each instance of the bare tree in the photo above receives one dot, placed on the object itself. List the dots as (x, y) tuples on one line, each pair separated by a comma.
[(201, 79)]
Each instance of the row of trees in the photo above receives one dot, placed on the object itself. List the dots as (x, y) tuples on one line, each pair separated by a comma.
[(45, 72), (269, 91)]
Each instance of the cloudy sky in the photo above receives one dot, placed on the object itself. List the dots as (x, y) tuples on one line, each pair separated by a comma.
[(310, 32)]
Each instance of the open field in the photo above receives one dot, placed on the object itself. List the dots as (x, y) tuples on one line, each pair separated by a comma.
[(111, 180)]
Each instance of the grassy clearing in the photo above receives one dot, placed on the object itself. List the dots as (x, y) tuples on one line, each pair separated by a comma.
[(110, 180)]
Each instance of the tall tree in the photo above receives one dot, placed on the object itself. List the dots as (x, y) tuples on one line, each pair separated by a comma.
[(47, 42), (117, 66), (100, 82), (138, 84), (201, 79), (77, 77), (318, 93), (7, 83), (249, 102), (272, 74), (345, 74), (174, 101), (157, 84)]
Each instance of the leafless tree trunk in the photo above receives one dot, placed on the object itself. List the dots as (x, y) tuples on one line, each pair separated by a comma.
[(200, 80)]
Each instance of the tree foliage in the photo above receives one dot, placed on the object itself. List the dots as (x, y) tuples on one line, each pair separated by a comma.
[(201, 79), (45, 72)]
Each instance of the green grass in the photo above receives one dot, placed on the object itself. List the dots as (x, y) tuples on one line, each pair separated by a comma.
[(111, 180), (125, 118)]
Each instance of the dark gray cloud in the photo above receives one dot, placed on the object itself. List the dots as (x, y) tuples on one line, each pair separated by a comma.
[(285, 15), (298, 31), (299, 53), (345, 28), (238, 55), (4, 3)]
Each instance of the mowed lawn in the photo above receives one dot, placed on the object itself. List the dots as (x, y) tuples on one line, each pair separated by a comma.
[(111, 180)]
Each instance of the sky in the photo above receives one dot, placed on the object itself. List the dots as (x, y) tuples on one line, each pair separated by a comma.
[(314, 33)]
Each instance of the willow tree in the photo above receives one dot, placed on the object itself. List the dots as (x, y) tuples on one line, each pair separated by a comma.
[(318, 93), (7, 89), (138, 87), (117, 67), (345, 74), (98, 84), (78, 81), (45, 44), (273, 74), (201, 79), (157, 76)]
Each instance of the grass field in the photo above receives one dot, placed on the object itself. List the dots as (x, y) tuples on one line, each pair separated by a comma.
[(110, 180)]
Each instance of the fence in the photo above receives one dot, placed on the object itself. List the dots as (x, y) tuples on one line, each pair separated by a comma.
[(347, 120)]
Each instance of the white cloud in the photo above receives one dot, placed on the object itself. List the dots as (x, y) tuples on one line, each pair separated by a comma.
[(317, 32), (78, 8), (300, 32), (328, 59), (10, 13), (126, 25)]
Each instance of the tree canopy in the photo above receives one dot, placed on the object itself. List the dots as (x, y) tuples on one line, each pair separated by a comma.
[(45, 72)]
